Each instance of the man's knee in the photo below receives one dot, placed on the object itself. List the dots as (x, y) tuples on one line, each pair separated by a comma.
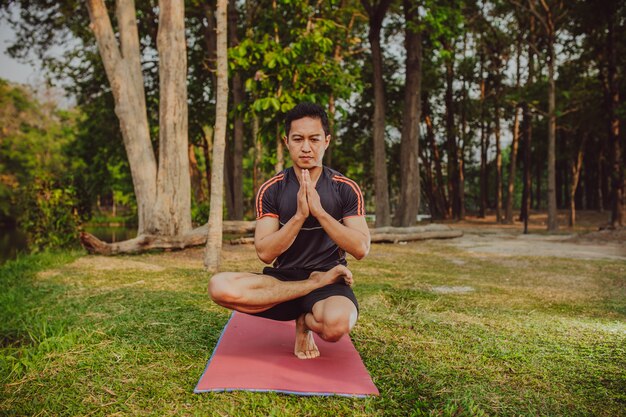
[(336, 327), (221, 288)]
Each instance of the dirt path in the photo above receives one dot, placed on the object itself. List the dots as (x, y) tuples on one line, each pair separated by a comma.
[(513, 243)]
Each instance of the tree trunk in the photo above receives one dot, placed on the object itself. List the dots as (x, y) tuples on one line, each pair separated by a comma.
[(228, 177), (376, 14), (172, 213), (451, 144), (527, 189), (512, 168), (212, 253), (553, 224), (483, 143), (123, 69), (498, 165), (440, 209), (527, 127), (406, 214), (515, 143), (575, 169), (615, 147), (208, 151), (238, 123)]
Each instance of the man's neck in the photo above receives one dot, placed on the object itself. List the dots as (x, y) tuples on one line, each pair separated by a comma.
[(315, 173)]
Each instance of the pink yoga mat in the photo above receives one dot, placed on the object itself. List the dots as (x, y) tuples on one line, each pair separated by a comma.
[(256, 354)]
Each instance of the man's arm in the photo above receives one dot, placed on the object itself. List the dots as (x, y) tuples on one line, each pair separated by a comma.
[(353, 235), (271, 240)]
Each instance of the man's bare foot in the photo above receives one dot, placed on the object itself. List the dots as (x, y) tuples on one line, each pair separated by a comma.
[(305, 347), (337, 274)]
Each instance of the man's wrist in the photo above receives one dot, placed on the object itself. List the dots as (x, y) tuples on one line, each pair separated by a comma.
[(299, 218), (322, 215)]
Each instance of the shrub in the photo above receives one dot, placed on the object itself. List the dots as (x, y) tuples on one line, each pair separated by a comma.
[(49, 215)]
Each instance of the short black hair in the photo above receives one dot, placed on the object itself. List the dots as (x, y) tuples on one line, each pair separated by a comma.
[(312, 110)]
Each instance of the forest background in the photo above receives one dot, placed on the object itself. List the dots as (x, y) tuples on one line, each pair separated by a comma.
[(442, 108)]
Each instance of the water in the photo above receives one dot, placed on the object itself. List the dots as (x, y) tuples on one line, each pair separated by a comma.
[(13, 241)]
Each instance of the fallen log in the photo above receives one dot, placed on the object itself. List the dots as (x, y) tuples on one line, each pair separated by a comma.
[(143, 243), (394, 234), (198, 237)]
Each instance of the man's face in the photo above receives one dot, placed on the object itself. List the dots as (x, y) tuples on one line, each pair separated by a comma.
[(307, 142)]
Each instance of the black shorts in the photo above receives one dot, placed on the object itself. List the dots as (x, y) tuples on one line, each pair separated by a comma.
[(292, 309)]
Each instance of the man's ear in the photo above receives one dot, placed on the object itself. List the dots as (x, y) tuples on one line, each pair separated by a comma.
[(326, 142), (286, 140)]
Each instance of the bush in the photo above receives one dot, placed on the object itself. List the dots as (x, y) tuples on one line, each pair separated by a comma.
[(49, 215)]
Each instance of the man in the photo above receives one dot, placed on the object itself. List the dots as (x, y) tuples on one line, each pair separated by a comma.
[(308, 217)]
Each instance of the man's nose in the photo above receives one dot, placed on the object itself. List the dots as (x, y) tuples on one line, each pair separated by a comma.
[(306, 146)]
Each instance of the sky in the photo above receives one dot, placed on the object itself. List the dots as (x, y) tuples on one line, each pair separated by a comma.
[(10, 69)]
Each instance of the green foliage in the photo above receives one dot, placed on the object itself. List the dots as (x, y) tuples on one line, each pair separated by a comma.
[(49, 215), (200, 213)]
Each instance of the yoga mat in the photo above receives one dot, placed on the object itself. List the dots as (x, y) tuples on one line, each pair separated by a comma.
[(256, 354)]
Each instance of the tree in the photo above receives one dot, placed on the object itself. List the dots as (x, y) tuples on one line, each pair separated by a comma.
[(409, 164), (213, 249), (163, 193), (376, 11), (550, 15)]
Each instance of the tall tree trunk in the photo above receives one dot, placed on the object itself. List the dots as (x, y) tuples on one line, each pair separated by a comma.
[(512, 167), (498, 164), (228, 176), (575, 168), (483, 142), (376, 12), (440, 210), (172, 213), (238, 124), (208, 151), (615, 147), (527, 127), (212, 253), (538, 174), (553, 224), (406, 214), (123, 69), (527, 189), (453, 177), (515, 142)]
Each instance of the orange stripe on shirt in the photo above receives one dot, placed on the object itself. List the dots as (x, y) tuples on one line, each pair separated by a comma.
[(355, 187), (262, 190)]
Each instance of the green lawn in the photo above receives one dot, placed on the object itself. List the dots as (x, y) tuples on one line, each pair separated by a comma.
[(85, 335)]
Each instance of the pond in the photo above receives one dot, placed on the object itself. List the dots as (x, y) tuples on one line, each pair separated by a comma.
[(13, 241)]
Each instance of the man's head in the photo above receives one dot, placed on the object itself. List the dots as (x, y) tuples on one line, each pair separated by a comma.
[(314, 111), (307, 135)]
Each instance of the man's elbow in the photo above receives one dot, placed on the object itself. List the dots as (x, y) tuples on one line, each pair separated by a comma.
[(362, 251), (264, 257)]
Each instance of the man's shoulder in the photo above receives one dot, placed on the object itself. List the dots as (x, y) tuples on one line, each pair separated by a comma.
[(278, 178), (340, 179)]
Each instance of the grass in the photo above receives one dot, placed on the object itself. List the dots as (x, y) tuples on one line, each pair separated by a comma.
[(132, 335)]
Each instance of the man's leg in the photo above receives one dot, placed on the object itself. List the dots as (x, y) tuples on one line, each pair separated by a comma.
[(331, 318), (252, 293)]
